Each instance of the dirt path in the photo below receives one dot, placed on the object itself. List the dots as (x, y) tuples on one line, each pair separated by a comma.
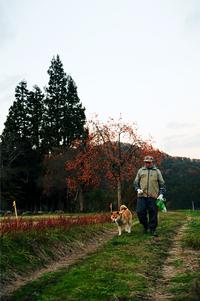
[(178, 261), (77, 252), (187, 257)]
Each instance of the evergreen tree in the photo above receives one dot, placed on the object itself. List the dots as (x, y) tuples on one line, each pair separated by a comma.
[(182, 177), (35, 111), (14, 135), (64, 116), (54, 104), (20, 161), (74, 115), (16, 126), (36, 125)]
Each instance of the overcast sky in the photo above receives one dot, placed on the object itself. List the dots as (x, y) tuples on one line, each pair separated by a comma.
[(137, 58)]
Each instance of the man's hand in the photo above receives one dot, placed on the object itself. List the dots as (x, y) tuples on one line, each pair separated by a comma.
[(139, 191), (160, 197)]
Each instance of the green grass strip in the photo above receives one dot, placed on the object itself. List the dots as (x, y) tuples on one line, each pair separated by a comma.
[(186, 286), (124, 269)]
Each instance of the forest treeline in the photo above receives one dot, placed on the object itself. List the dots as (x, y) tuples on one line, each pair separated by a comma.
[(52, 158), (182, 176)]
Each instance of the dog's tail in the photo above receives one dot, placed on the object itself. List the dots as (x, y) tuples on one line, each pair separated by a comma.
[(123, 207)]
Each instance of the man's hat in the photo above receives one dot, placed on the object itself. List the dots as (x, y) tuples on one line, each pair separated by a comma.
[(148, 159)]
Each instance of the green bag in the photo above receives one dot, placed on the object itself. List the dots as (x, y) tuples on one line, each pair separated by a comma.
[(161, 204)]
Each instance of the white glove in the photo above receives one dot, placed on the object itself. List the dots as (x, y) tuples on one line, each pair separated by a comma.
[(139, 191), (160, 197)]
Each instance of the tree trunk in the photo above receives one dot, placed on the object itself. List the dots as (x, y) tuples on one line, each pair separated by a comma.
[(119, 193), (79, 197), (81, 200)]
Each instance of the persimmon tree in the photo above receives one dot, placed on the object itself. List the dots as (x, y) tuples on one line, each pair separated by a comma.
[(83, 169), (112, 151), (121, 149), (110, 154)]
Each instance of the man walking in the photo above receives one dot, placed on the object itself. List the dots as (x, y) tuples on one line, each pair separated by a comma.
[(149, 185)]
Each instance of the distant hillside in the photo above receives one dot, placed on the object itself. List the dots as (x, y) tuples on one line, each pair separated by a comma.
[(182, 176)]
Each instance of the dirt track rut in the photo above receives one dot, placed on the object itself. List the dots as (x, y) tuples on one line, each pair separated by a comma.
[(78, 252)]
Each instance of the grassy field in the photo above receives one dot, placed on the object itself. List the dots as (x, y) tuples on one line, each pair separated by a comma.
[(126, 268)]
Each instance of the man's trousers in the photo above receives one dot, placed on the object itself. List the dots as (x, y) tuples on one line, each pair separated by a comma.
[(147, 212)]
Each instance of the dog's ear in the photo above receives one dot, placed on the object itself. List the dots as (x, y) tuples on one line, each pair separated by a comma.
[(117, 212)]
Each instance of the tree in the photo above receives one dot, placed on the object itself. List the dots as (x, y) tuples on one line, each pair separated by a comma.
[(20, 158), (54, 181), (15, 133), (182, 177), (55, 103), (35, 112), (64, 116), (74, 115), (121, 147), (83, 168), (36, 125), (114, 151), (16, 126)]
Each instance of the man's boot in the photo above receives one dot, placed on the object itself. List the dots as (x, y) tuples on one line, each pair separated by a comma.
[(153, 233)]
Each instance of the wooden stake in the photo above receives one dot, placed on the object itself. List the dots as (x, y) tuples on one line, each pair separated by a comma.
[(15, 208)]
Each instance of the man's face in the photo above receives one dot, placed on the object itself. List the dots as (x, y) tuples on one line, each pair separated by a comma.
[(148, 164)]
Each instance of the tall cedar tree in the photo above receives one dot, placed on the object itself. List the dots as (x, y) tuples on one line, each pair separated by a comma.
[(35, 111), (15, 132), (24, 121), (74, 116), (18, 158), (36, 125), (64, 116)]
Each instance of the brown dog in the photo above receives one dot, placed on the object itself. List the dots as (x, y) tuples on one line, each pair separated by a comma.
[(123, 219)]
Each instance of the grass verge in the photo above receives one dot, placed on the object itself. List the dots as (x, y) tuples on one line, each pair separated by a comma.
[(23, 252), (186, 286), (125, 269)]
